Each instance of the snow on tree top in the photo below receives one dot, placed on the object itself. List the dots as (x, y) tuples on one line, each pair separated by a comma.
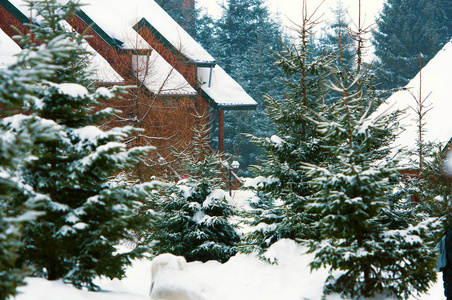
[(215, 195), (71, 89), (437, 90), (89, 133), (259, 181)]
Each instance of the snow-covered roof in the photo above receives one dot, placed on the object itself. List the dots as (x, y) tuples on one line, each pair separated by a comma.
[(118, 18), (116, 23), (221, 89), (159, 77), (102, 70), (437, 89), (8, 50)]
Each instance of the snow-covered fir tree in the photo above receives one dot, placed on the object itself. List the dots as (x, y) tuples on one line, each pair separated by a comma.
[(19, 136), (85, 215), (282, 211), (427, 190), (336, 39), (193, 215), (374, 256), (336, 36)]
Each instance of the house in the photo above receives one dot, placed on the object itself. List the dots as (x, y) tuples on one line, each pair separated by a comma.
[(137, 43), (432, 86), (428, 95)]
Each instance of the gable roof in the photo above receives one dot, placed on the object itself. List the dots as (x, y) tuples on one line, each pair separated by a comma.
[(116, 20), (437, 92), (117, 24)]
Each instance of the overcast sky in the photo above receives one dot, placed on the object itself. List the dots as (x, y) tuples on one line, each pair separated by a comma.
[(291, 9)]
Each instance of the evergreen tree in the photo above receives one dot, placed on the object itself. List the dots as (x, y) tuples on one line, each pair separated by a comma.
[(86, 214), (406, 29), (192, 217), (181, 11), (336, 37), (282, 212), (244, 39), (446, 5), (353, 198), (19, 135)]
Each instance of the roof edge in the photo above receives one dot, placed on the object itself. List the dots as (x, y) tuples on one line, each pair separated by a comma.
[(218, 106), (176, 52), (15, 11), (114, 43)]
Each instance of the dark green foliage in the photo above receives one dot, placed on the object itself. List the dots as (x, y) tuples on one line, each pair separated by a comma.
[(337, 40), (446, 6), (432, 189), (242, 42), (284, 189), (328, 179), (20, 135), (406, 29), (86, 214), (361, 233), (353, 201), (336, 37), (181, 12), (192, 216)]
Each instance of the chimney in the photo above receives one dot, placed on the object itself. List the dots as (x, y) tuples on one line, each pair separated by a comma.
[(188, 14), (189, 5)]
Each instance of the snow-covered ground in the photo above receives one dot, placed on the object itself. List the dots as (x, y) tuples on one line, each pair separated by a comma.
[(242, 277)]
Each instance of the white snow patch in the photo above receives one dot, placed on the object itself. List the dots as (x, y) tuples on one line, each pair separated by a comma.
[(159, 76), (71, 89), (216, 195), (199, 216), (276, 140), (186, 190), (65, 230), (259, 181), (80, 226), (448, 163), (365, 126), (72, 218), (265, 227), (242, 277), (103, 91)]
